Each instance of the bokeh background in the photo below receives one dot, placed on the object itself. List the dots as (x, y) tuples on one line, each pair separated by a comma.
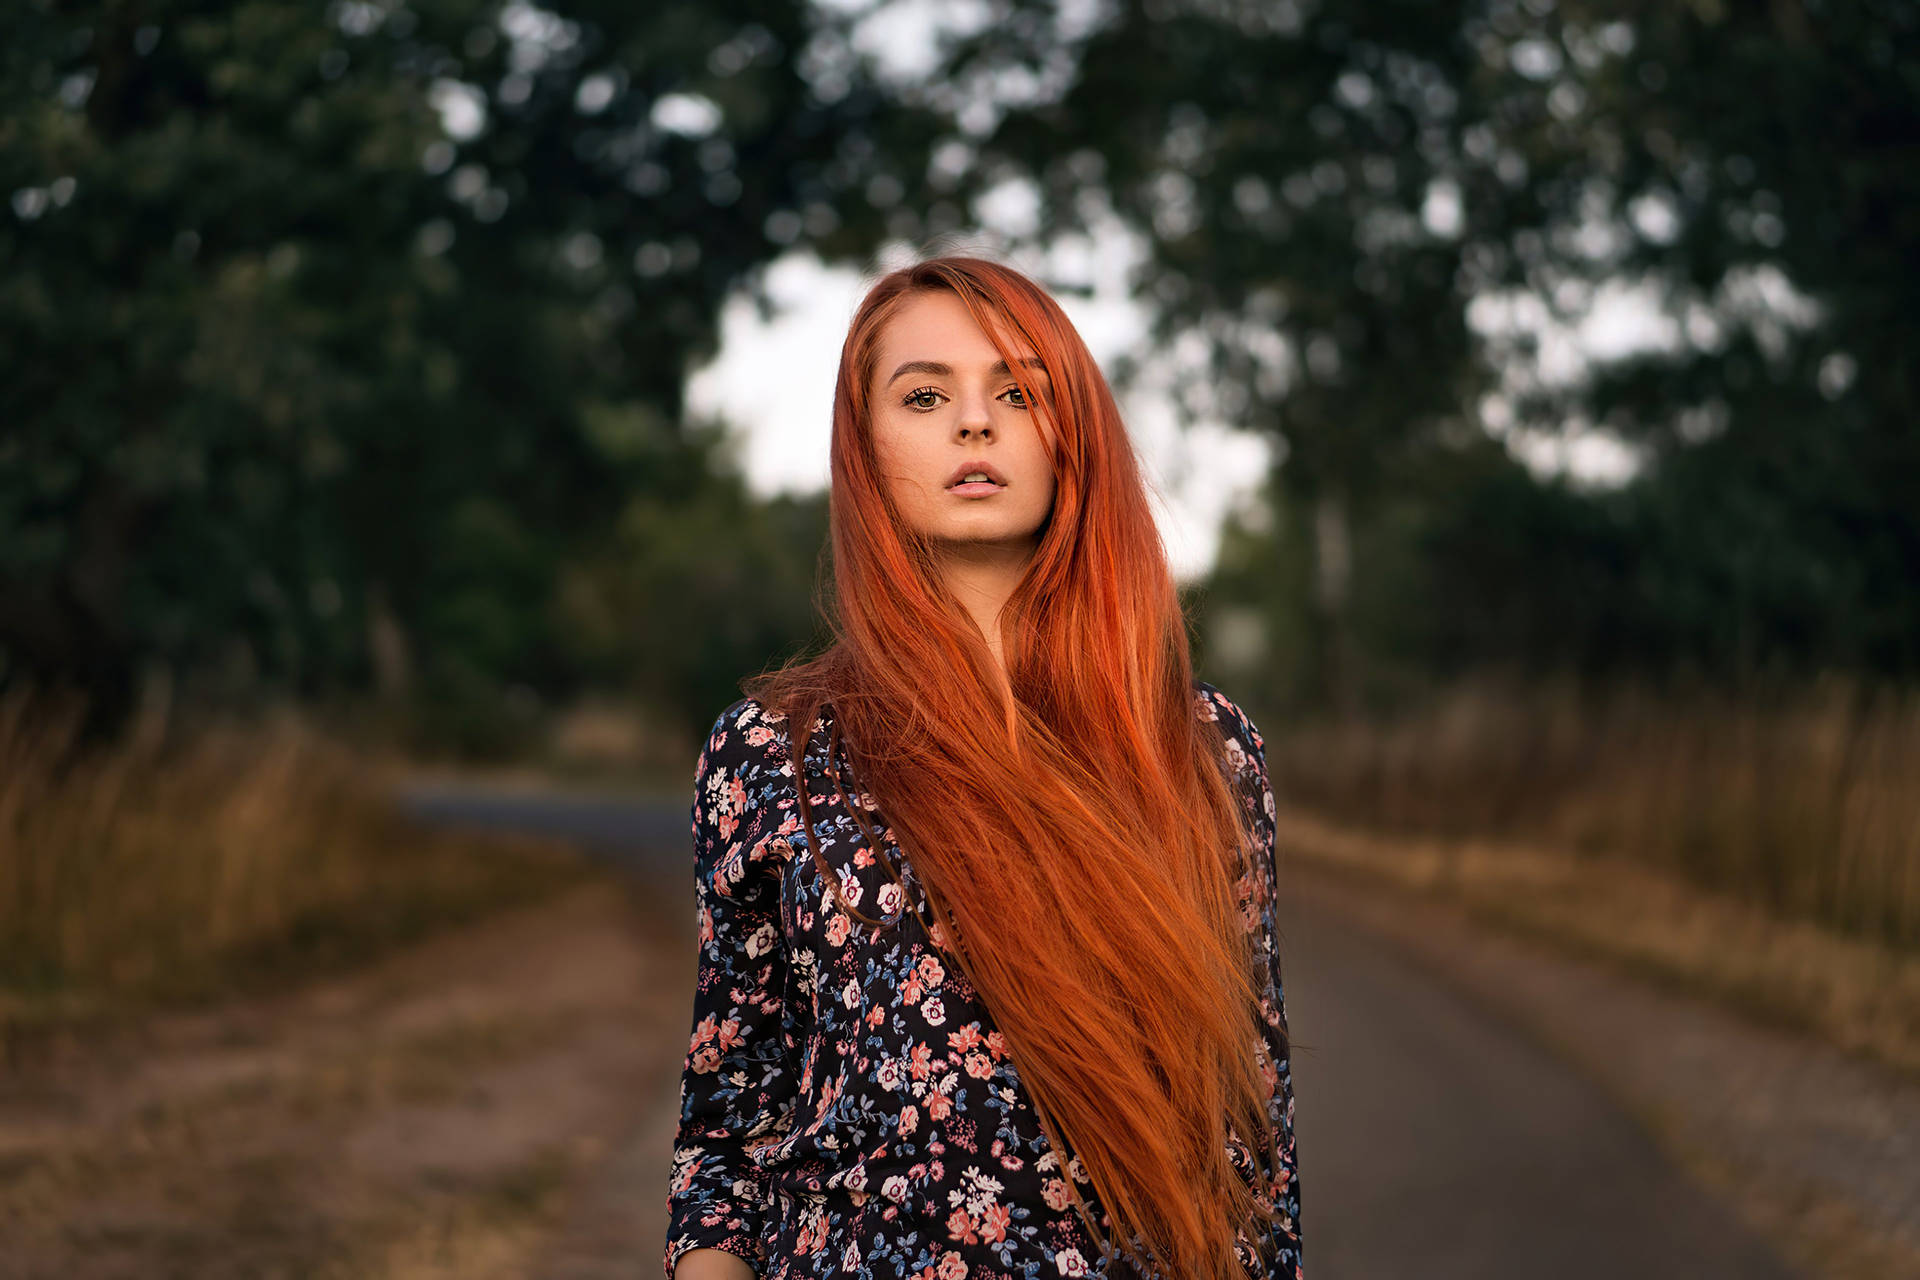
[(413, 422)]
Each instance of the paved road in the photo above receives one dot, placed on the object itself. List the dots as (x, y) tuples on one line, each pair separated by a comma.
[(1435, 1141)]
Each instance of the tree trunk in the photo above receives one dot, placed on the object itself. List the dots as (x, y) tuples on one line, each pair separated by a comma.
[(1332, 595)]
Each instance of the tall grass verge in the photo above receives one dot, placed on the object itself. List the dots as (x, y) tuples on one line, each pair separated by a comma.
[(1805, 803), (219, 860)]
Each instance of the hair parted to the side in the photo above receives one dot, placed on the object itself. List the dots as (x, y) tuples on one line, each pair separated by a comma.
[(1078, 845)]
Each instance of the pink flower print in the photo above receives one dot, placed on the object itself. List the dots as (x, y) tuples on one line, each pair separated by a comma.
[(812, 1234), (838, 927), (979, 1066), (994, 1223), (965, 1038), (759, 736), (960, 1228), (909, 1119), (911, 989), (934, 1010), (1070, 1262), (920, 1061), (952, 1267), (996, 1044), (932, 972)]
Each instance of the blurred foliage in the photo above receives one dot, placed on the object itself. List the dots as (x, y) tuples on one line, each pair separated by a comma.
[(688, 597), (332, 334), (342, 344), (1329, 197)]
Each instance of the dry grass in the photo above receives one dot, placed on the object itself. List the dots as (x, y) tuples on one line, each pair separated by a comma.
[(1801, 804), (1859, 995), (223, 860)]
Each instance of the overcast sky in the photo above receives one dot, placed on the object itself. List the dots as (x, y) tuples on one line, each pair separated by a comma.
[(772, 383)]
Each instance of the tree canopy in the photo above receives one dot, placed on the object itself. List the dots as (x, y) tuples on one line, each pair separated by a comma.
[(342, 345)]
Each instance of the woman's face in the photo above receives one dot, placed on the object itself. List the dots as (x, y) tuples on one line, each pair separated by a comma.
[(944, 404)]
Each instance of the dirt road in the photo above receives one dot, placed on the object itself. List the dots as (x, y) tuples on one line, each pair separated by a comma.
[(446, 1113), (500, 1102), (1436, 1139)]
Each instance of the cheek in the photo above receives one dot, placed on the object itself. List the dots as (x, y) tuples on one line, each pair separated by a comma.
[(1040, 462), (903, 461)]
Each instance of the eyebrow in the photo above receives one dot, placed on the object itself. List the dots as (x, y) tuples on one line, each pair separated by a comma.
[(941, 370)]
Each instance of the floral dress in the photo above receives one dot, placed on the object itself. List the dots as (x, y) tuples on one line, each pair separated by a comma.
[(848, 1107)]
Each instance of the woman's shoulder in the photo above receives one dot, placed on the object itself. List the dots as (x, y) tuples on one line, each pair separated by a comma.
[(1211, 704), (741, 790), (746, 734), (750, 732)]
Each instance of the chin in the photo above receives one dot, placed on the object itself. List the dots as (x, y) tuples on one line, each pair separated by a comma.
[(1000, 534)]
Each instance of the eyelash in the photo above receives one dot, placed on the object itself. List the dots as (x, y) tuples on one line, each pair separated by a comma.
[(908, 399)]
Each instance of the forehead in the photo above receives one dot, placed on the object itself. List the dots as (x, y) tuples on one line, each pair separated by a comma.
[(936, 325)]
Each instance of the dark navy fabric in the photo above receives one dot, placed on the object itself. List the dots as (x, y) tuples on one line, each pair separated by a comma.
[(848, 1107)]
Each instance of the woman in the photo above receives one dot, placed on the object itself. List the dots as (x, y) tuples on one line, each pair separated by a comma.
[(997, 991)]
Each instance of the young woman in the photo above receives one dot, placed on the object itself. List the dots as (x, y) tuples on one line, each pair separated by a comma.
[(989, 980)]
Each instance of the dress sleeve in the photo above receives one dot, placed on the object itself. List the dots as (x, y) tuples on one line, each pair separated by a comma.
[(738, 1085), (1247, 752)]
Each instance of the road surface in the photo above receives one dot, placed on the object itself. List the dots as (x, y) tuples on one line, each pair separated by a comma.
[(1435, 1141)]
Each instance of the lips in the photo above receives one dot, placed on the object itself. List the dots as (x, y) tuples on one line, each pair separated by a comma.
[(966, 469)]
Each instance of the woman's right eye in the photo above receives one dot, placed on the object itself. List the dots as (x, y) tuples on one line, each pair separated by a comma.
[(913, 399)]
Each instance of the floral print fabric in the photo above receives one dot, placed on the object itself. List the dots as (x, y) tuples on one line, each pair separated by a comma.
[(847, 1106)]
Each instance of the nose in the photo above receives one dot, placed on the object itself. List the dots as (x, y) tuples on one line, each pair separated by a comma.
[(973, 422)]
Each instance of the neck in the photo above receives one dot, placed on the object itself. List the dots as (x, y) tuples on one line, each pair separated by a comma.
[(981, 576)]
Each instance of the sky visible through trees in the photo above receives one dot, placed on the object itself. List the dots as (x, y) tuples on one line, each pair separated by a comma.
[(346, 345)]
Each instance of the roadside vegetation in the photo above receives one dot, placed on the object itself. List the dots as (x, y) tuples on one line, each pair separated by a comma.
[(222, 859), (1764, 851)]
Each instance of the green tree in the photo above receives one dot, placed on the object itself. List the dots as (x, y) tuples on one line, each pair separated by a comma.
[(323, 322), (1763, 161), (1313, 206)]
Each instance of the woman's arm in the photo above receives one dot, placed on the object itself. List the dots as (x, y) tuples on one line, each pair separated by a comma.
[(739, 1083), (1287, 1262), (1246, 751)]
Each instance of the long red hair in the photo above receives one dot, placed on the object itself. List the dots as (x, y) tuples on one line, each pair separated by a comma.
[(1080, 838)]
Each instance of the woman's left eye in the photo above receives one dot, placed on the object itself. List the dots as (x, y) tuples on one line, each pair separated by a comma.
[(1021, 400)]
